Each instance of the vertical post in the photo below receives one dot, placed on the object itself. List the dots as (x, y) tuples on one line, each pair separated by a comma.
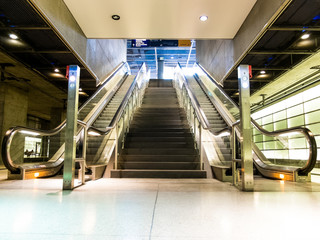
[(200, 146), (160, 67), (71, 128), (245, 126), (234, 163), (116, 148)]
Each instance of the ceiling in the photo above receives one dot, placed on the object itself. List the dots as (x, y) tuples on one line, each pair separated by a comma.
[(165, 19), (39, 50), (281, 48)]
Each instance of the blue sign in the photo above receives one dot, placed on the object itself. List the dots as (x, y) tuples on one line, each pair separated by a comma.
[(140, 43)]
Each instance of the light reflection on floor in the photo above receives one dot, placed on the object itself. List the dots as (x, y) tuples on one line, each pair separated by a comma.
[(158, 209)]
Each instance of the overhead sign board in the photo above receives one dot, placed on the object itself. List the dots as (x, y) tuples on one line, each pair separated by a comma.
[(140, 43), (184, 43)]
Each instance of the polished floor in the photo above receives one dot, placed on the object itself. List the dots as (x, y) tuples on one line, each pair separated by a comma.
[(158, 209)]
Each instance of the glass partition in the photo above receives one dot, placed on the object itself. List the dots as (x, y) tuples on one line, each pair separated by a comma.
[(215, 91)]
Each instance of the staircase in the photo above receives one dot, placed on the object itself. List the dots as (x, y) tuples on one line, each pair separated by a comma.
[(159, 143)]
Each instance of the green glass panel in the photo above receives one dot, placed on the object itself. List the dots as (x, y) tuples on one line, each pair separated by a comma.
[(314, 128), (259, 145), (297, 143), (267, 138), (312, 117), (311, 93), (267, 119), (294, 100), (281, 154), (312, 105), (299, 154), (255, 131), (280, 145), (269, 154), (294, 111), (269, 145), (280, 115), (258, 138), (296, 121), (259, 121), (318, 141), (268, 127), (280, 125)]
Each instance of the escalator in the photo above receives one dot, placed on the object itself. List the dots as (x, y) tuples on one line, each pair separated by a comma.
[(116, 99), (216, 113)]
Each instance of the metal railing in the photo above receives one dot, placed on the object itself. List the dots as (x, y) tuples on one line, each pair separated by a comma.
[(196, 117), (226, 103), (94, 105), (119, 125)]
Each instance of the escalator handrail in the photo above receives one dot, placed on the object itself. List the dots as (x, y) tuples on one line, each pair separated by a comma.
[(199, 112), (312, 160), (6, 157), (116, 118), (5, 148), (110, 75)]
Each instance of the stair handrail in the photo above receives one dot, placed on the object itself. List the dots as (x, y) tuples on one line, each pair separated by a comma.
[(312, 159), (105, 81), (199, 112), (7, 139), (116, 118), (140, 88)]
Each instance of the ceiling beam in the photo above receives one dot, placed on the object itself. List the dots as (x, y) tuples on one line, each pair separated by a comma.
[(230, 89), (251, 80), (281, 52), (270, 69), (65, 80), (25, 28), (41, 51), (294, 28)]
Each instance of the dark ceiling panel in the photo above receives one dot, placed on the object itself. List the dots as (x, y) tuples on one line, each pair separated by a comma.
[(19, 13), (281, 48), (301, 12), (37, 46)]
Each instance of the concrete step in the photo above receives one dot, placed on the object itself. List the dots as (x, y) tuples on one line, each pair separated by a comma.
[(158, 174), (159, 134), (161, 139), (154, 129), (182, 126), (158, 158), (156, 145), (159, 151), (160, 165)]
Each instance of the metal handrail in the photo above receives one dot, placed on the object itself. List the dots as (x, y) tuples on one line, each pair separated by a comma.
[(311, 162), (5, 148), (199, 112), (115, 120), (6, 144), (110, 75)]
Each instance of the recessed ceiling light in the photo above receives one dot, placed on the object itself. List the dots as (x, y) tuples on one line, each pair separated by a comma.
[(203, 18), (56, 70), (262, 72), (305, 36), (115, 17), (13, 36)]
